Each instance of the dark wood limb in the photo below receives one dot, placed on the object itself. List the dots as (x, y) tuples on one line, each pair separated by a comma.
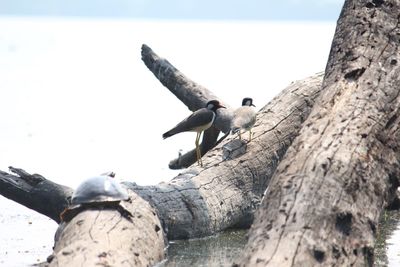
[(35, 192), (209, 140), (344, 159), (193, 95), (227, 190), (201, 200)]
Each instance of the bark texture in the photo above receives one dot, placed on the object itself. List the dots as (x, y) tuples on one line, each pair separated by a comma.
[(198, 202), (194, 96), (225, 193), (227, 190), (324, 201), (107, 237), (35, 192)]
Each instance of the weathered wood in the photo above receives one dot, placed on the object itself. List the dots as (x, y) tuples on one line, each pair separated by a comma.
[(210, 140), (203, 201), (35, 192), (194, 96), (324, 201), (105, 237), (225, 193)]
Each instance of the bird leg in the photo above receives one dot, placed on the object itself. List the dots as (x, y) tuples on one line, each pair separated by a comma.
[(198, 152), (240, 135), (249, 135)]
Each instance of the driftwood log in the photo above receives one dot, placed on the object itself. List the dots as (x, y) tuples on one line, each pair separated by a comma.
[(198, 202), (95, 237), (108, 237), (324, 201)]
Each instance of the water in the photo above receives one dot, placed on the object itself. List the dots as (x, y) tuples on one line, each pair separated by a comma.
[(225, 248), (26, 236), (220, 250), (387, 250), (77, 100)]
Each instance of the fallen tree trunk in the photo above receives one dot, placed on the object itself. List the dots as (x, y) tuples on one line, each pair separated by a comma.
[(98, 236), (199, 202), (225, 193), (324, 201), (108, 237)]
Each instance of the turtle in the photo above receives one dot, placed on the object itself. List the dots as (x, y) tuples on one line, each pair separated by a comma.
[(99, 192)]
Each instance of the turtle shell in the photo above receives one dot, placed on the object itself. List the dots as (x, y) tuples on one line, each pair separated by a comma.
[(98, 189)]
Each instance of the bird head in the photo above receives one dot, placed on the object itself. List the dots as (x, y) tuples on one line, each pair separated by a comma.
[(247, 101), (214, 105)]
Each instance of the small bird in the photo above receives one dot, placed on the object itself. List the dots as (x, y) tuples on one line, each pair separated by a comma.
[(244, 118), (199, 121)]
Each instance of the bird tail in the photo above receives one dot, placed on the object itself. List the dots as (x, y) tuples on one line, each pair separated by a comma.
[(167, 134)]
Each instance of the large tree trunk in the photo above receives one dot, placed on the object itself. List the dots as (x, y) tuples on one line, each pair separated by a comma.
[(314, 210), (225, 193), (110, 237), (199, 202), (244, 176), (324, 201)]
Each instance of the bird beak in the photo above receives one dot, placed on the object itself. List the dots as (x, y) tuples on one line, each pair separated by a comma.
[(221, 106), (253, 105)]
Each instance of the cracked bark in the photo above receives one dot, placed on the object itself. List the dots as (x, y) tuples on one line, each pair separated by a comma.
[(314, 210), (225, 193), (200, 201), (244, 177), (102, 236), (194, 96), (35, 192), (324, 201)]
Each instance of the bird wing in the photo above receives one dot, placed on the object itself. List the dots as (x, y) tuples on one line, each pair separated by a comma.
[(200, 117), (244, 118)]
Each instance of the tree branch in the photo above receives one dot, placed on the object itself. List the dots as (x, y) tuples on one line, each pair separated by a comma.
[(225, 193), (35, 192), (194, 96)]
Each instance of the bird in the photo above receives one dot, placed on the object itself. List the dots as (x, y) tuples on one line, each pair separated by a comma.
[(244, 118), (198, 121)]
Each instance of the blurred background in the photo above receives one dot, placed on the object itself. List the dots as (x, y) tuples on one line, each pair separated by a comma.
[(308, 10), (78, 101)]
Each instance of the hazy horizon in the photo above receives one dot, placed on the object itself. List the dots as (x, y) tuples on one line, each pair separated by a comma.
[(310, 10)]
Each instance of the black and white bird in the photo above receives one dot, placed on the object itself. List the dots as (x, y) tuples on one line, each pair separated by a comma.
[(199, 121), (244, 118)]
